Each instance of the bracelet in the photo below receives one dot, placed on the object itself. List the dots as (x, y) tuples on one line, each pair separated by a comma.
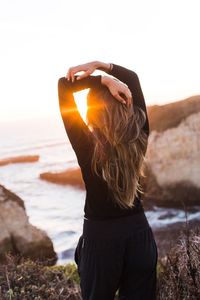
[(111, 67)]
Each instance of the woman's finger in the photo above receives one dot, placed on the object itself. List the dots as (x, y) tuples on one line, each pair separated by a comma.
[(128, 95), (68, 76), (71, 72), (72, 76), (85, 74), (120, 98)]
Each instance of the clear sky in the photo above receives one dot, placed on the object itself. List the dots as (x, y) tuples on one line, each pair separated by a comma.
[(40, 39)]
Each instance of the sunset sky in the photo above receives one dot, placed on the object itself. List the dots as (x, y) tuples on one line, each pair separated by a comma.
[(40, 39)]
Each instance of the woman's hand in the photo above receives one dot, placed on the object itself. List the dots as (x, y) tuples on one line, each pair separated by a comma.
[(87, 68), (117, 89)]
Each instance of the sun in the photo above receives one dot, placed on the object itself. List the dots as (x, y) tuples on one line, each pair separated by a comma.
[(81, 102)]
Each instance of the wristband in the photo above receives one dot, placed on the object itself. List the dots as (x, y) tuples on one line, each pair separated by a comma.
[(111, 67)]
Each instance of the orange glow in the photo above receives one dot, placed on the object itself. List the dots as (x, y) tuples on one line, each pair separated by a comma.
[(81, 102)]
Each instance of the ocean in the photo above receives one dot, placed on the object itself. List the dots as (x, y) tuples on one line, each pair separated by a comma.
[(55, 208)]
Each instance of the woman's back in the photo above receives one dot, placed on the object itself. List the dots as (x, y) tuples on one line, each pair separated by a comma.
[(99, 202)]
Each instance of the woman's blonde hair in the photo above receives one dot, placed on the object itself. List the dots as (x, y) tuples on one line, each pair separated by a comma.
[(120, 144)]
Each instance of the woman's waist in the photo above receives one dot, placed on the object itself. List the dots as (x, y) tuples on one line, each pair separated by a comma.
[(114, 227)]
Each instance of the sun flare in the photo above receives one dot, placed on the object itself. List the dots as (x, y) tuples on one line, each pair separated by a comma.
[(81, 102)]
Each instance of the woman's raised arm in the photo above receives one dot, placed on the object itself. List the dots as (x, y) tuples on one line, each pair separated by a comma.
[(130, 78), (76, 129)]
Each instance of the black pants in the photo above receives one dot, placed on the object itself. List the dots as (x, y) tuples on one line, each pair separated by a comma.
[(117, 254)]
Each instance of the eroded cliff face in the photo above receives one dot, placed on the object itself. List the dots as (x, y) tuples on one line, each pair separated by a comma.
[(174, 155), (17, 235), (173, 164)]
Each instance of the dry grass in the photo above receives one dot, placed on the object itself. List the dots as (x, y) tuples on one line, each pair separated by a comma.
[(179, 275), (32, 280)]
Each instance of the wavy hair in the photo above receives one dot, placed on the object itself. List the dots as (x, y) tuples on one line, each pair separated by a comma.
[(119, 144)]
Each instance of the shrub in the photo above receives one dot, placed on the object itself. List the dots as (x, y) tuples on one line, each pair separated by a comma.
[(179, 277), (32, 280)]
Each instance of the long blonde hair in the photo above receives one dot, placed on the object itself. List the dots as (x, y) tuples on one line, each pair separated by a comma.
[(120, 144)]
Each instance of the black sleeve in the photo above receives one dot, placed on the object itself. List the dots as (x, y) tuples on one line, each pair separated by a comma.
[(131, 79), (78, 133)]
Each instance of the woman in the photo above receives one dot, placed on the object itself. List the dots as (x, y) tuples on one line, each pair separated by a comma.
[(117, 249)]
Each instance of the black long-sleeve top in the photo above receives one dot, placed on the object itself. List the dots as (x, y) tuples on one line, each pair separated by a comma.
[(98, 203)]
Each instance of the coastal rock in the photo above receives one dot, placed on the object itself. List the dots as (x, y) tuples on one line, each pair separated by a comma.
[(163, 117), (173, 165), (68, 177), (17, 235), (19, 159)]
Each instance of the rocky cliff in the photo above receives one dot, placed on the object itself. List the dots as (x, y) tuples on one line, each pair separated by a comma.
[(17, 235), (173, 154)]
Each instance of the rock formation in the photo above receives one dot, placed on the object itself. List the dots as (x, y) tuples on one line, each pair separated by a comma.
[(19, 159), (17, 235), (173, 158), (68, 177)]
